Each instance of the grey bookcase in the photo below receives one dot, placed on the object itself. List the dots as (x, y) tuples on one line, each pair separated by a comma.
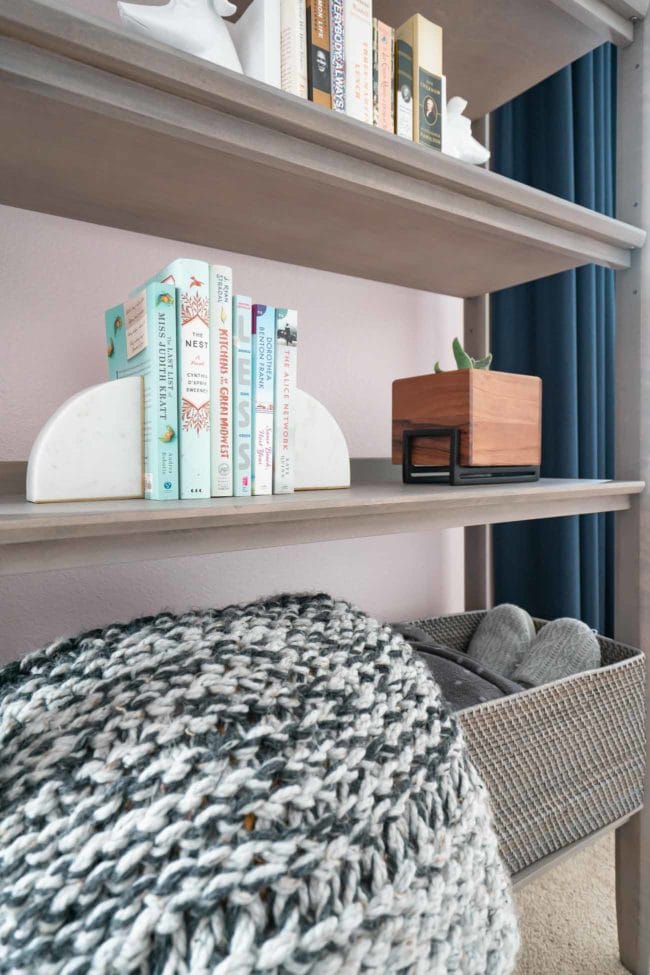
[(400, 213)]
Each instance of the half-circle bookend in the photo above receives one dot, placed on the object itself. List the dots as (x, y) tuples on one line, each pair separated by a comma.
[(91, 448), (322, 457)]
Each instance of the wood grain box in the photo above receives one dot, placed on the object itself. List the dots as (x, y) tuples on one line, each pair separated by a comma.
[(499, 415)]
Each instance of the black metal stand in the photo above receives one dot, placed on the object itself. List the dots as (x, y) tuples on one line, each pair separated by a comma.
[(454, 473)]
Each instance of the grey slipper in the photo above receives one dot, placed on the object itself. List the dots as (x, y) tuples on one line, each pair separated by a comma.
[(561, 648), (503, 637)]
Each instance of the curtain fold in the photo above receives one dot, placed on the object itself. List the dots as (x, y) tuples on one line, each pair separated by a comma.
[(560, 137)]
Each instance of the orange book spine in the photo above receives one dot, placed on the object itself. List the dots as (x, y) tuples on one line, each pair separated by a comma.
[(318, 54)]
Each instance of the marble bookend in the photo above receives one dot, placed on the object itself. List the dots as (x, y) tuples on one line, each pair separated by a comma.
[(322, 457), (92, 448)]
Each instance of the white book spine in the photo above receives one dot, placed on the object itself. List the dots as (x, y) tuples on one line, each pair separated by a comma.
[(358, 60), (221, 381), (284, 432), (256, 36), (293, 47)]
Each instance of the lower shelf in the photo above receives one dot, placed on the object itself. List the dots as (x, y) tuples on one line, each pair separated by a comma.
[(52, 536)]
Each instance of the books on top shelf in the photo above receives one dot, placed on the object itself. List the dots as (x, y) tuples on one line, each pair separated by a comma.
[(358, 59), (141, 341), (257, 39), (428, 84), (318, 52), (293, 47), (383, 55), (214, 365), (337, 54)]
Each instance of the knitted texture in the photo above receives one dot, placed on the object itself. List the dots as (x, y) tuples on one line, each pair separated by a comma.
[(502, 639), (272, 788), (561, 648)]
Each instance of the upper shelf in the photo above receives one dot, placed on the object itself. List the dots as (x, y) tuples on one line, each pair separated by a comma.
[(100, 126), (34, 537), (494, 50)]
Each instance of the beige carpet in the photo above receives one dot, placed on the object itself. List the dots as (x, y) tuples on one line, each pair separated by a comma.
[(568, 917)]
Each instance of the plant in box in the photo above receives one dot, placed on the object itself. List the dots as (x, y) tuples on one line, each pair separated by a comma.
[(468, 426)]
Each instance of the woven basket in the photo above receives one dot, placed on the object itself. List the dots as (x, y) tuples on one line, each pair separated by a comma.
[(560, 761)]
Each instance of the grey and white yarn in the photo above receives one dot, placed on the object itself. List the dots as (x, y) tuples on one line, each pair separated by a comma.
[(273, 788)]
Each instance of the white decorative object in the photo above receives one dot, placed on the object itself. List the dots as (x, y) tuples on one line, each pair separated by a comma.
[(193, 26), (92, 448), (257, 41), (457, 135), (322, 457)]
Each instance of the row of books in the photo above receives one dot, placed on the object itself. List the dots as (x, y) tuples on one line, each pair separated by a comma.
[(341, 57), (219, 383)]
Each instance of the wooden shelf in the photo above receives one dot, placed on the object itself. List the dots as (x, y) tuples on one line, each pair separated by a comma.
[(48, 536), (131, 135)]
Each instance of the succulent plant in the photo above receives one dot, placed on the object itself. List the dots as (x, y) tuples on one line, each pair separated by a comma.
[(465, 361)]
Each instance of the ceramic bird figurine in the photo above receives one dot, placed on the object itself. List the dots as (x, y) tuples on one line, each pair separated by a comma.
[(193, 26), (458, 138)]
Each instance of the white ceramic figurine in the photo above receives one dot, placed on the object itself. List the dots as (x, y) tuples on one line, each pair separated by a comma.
[(459, 141), (193, 26)]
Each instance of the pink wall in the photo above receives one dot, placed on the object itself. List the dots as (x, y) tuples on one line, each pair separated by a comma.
[(356, 337)]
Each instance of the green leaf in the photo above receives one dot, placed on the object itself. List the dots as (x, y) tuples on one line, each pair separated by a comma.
[(483, 363), (463, 361), (437, 368)]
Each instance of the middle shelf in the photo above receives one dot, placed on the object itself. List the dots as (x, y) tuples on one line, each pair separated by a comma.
[(53, 536), (135, 136)]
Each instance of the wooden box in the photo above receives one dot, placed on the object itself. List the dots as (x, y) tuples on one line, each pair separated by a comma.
[(499, 415)]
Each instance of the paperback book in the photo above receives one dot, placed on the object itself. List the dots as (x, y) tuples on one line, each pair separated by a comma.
[(337, 51), (221, 464), (318, 52), (293, 47), (263, 329), (190, 279), (358, 59), (383, 48), (284, 432), (141, 341), (425, 41), (404, 89), (242, 417), (256, 36)]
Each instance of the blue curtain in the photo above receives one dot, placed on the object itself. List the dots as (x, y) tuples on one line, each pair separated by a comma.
[(560, 137)]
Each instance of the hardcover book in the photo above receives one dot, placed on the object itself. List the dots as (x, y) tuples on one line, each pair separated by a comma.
[(337, 48), (383, 50), (358, 59), (293, 47), (263, 329), (141, 341), (425, 39), (404, 89), (242, 418), (318, 52), (284, 426), (221, 381), (190, 278)]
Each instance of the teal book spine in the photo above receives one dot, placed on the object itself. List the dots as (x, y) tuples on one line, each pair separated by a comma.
[(141, 341), (242, 399), (263, 329), (191, 280)]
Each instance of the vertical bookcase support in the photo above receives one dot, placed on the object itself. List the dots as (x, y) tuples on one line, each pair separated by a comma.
[(633, 460), (478, 538)]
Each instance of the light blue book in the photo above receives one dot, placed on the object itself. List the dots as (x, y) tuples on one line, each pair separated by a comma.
[(141, 341), (263, 396), (190, 278), (242, 400)]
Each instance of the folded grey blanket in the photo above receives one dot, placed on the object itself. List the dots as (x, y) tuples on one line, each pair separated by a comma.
[(272, 788)]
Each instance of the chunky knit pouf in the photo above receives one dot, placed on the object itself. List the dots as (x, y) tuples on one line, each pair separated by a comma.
[(272, 788)]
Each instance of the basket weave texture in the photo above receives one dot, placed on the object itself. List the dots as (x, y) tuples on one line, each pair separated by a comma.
[(560, 761)]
